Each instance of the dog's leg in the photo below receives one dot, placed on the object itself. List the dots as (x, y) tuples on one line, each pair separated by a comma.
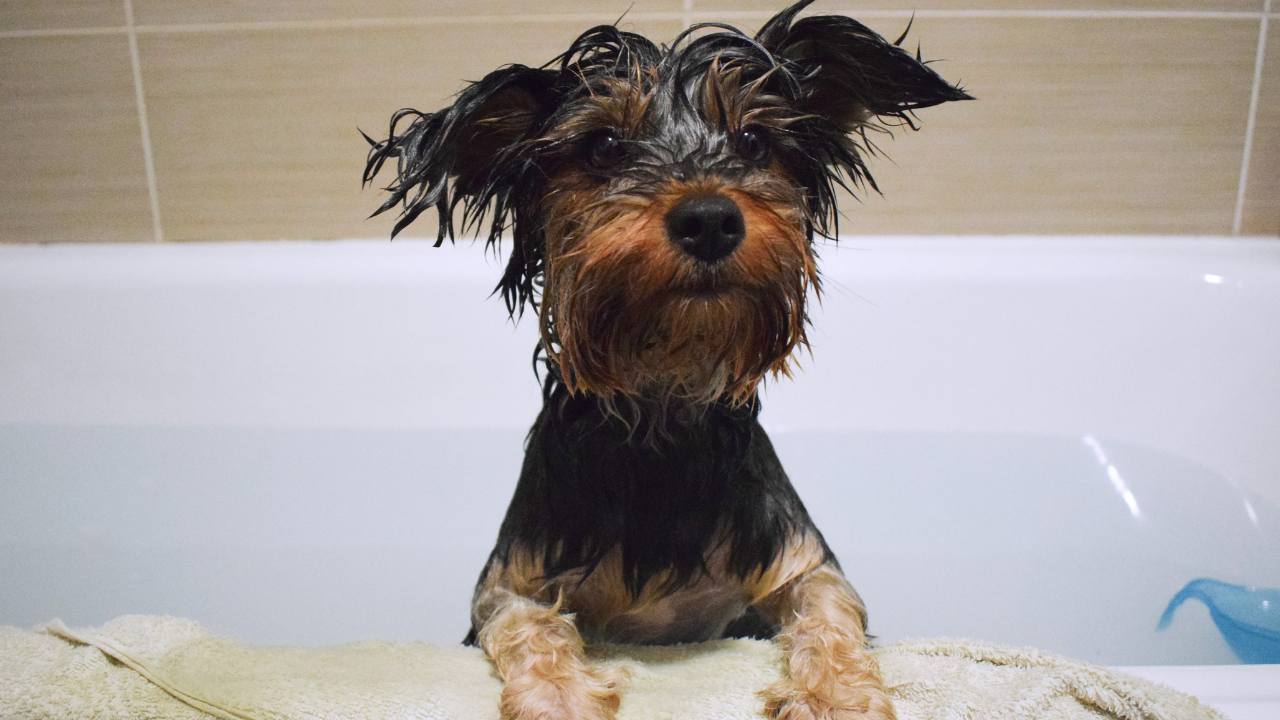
[(539, 655), (830, 673)]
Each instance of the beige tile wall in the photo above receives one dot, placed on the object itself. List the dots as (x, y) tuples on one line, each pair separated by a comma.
[(1261, 207), (191, 120), (72, 166)]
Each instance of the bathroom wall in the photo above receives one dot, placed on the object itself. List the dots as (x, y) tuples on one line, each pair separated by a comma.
[(177, 120)]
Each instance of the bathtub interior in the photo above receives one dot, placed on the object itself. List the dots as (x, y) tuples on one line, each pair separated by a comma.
[(1034, 442)]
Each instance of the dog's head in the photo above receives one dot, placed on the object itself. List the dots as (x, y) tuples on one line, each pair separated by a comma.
[(662, 202)]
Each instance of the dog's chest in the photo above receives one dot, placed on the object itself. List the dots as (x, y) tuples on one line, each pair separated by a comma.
[(696, 611)]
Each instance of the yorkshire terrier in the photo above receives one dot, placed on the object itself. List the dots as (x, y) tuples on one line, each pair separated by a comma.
[(662, 204)]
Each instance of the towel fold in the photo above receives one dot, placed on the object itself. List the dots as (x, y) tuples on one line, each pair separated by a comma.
[(172, 669)]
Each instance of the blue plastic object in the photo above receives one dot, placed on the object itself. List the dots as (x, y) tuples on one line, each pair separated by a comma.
[(1247, 617)]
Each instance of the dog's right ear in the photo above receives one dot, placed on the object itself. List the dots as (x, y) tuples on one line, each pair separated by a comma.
[(850, 75), (467, 153)]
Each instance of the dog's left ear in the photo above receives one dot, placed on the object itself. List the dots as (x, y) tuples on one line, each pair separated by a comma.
[(467, 153), (848, 73)]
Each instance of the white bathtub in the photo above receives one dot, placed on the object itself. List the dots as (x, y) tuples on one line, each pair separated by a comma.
[(1031, 441)]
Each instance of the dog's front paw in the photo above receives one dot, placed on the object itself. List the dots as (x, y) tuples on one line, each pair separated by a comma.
[(589, 694), (784, 701)]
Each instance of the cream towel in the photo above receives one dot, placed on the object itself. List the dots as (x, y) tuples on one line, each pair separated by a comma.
[(170, 669)]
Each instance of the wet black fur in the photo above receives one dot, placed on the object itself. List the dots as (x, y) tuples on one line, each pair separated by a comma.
[(589, 482), (589, 485)]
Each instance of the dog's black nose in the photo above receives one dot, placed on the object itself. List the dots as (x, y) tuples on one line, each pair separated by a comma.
[(707, 227)]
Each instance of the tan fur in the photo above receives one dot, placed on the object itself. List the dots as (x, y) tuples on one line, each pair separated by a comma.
[(539, 654), (601, 599), (801, 555), (604, 609), (530, 627), (733, 105), (830, 673), (614, 103), (626, 312), (607, 612)]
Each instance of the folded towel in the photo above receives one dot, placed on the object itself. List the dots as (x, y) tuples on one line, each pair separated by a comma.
[(172, 669)]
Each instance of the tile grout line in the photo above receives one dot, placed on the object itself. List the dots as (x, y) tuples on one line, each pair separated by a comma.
[(1018, 14), (685, 15), (62, 32), (1260, 57), (140, 99), (394, 22)]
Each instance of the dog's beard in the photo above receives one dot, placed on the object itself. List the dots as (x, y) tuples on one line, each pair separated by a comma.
[(626, 314), (702, 348)]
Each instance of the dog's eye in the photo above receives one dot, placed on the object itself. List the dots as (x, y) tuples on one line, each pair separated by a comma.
[(752, 143), (604, 149)]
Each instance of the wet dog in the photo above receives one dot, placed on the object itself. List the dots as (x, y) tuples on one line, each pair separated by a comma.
[(662, 204)]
